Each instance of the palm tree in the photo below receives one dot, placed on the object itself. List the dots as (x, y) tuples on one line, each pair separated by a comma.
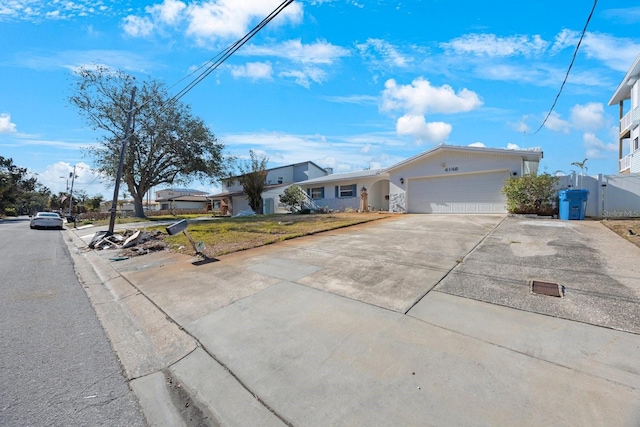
[(583, 168)]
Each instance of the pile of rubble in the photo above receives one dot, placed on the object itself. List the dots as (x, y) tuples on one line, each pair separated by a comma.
[(130, 242)]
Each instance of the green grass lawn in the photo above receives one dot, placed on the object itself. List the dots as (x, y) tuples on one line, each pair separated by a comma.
[(225, 235)]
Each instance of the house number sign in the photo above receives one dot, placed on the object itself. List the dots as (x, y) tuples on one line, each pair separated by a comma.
[(451, 169)]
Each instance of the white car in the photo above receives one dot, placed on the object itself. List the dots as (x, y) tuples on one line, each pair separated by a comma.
[(46, 220)]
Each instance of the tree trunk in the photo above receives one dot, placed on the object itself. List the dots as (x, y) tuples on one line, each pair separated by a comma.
[(137, 205)]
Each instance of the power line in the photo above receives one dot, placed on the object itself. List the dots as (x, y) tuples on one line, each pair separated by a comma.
[(226, 53), (214, 62), (575, 53)]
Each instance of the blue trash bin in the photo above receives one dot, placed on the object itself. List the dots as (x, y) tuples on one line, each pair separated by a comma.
[(573, 204)]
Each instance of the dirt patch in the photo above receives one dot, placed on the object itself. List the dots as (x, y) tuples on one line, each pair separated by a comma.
[(628, 229)]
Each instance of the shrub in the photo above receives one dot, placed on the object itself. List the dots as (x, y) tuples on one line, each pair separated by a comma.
[(293, 196), (532, 194)]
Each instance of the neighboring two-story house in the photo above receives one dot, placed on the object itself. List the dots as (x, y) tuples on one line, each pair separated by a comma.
[(629, 90), (232, 200)]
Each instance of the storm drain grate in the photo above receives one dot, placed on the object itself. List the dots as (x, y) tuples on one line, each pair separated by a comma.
[(546, 288)]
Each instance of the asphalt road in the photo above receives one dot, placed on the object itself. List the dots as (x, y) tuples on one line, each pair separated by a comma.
[(57, 367)]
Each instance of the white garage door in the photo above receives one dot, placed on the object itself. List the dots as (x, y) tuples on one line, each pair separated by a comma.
[(472, 193)]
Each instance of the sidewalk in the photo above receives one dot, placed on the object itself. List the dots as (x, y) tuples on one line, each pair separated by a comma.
[(418, 320)]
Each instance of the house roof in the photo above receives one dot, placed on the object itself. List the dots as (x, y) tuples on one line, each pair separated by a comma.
[(533, 154), (240, 192), (624, 90), (285, 166), (183, 190), (344, 176), (201, 198)]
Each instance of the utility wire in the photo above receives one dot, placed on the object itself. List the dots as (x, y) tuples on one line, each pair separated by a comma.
[(221, 57), (575, 53)]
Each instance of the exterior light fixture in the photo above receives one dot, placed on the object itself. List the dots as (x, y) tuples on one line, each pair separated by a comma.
[(401, 180)]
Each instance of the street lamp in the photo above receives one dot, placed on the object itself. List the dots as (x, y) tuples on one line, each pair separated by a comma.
[(63, 177)]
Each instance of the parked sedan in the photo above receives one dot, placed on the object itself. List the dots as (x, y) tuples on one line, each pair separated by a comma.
[(46, 220)]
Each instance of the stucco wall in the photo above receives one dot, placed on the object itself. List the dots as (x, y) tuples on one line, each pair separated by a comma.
[(376, 199), (286, 173)]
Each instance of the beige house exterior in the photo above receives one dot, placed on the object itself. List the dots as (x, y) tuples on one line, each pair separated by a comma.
[(445, 179)]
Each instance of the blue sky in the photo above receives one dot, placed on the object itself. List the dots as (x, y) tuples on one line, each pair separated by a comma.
[(346, 84)]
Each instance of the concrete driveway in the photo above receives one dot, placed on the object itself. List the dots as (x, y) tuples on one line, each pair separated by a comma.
[(413, 320)]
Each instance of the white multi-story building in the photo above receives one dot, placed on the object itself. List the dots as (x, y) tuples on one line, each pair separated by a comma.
[(628, 145)]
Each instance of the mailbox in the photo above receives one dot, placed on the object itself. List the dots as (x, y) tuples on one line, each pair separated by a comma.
[(177, 227)]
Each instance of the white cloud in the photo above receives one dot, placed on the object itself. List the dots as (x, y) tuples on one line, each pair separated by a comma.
[(343, 153), (615, 52), (253, 70), (627, 15), (420, 97), (72, 60), (389, 53), (417, 127), (353, 99), (55, 177), (587, 117), (595, 148), (520, 126), (306, 60), (6, 126), (305, 76), (227, 19), (169, 12), (320, 52), (582, 117), (491, 45), (210, 19), (512, 146), (555, 123), (538, 74), (135, 26), (477, 144), (37, 11)]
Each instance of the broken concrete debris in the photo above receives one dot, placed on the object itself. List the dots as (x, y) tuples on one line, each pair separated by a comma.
[(130, 242)]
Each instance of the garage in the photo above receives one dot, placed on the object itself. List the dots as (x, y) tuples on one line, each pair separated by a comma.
[(459, 193)]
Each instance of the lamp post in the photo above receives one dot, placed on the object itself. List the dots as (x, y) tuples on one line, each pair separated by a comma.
[(72, 175), (67, 178)]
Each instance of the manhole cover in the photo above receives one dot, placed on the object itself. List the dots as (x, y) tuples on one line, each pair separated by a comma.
[(546, 288)]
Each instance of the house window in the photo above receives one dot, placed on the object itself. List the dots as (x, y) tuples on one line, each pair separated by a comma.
[(317, 193), (635, 144), (347, 191), (280, 180)]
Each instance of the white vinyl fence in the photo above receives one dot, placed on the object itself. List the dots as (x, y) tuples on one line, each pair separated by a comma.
[(610, 196)]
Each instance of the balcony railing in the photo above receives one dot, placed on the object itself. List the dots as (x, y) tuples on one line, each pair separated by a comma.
[(625, 123), (625, 163), (630, 119)]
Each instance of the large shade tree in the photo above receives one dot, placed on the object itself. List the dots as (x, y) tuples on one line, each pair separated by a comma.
[(17, 185), (167, 144)]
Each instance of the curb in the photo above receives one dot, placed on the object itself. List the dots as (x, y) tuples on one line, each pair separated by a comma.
[(176, 382)]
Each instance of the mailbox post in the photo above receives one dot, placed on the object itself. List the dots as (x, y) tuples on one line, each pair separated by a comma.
[(179, 226)]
